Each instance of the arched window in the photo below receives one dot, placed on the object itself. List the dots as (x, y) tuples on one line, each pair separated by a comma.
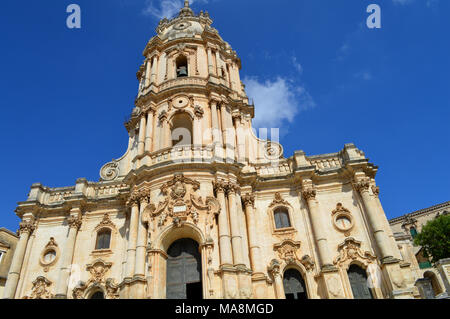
[(358, 281), (281, 216), (182, 66), (98, 295), (182, 130), (103, 239), (413, 232), (294, 285)]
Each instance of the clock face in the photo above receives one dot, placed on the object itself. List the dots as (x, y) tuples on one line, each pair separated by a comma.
[(181, 25), (343, 222)]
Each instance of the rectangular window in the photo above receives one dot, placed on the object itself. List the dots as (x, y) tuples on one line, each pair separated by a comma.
[(1, 255)]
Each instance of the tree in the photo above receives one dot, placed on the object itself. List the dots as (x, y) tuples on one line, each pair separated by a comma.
[(435, 238)]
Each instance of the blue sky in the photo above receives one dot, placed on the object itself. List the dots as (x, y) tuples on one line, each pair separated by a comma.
[(64, 94)]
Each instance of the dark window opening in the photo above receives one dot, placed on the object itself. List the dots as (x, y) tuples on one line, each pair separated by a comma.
[(281, 216), (413, 232), (182, 66), (98, 295), (103, 239)]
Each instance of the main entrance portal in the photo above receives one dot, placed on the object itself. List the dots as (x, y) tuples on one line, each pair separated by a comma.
[(184, 270)]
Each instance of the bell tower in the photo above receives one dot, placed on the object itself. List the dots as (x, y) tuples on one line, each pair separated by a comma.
[(190, 97)]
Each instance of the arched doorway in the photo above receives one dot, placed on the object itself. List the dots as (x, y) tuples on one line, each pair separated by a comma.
[(98, 295), (433, 282), (358, 281), (294, 285), (184, 270)]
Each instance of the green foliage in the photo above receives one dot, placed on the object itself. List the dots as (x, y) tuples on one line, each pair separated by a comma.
[(435, 238)]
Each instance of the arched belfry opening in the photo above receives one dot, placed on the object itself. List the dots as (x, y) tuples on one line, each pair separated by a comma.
[(358, 282), (182, 66), (294, 285), (181, 130), (184, 270)]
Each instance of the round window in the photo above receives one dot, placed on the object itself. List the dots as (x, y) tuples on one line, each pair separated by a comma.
[(49, 256)]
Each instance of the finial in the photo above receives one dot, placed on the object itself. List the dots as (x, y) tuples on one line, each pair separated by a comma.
[(186, 3)]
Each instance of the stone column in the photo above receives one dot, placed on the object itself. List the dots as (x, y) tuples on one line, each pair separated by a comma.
[(309, 194), (224, 230), (141, 144), (275, 271), (240, 139), (154, 70), (217, 136), (147, 73), (149, 132), (141, 245), (74, 222), (236, 237), (25, 230), (375, 220), (255, 253), (228, 133), (197, 139), (132, 235), (210, 62)]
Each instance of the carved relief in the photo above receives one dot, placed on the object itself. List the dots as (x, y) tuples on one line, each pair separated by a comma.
[(106, 222), (41, 289), (26, 227), (181, 203), (350, 250), (362, 185), (278, 200), (309, 193), (97, 270), (109, 171), (287, 250)]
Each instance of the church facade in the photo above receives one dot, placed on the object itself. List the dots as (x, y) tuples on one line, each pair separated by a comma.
[(199, 207)]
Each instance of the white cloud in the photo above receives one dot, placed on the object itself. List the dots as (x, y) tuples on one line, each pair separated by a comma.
[(166, 8), (297, 65), (276, 101)]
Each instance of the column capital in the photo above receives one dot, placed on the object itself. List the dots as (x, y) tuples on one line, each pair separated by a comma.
[(376, 190), (248, 200), (309, 193), (139, 196), (232, 188), (26, 226), (74, 222), (362, 185), (220, 186)]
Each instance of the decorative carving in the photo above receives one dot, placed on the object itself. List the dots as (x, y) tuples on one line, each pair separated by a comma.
[(112, 289), (40, 289), (309, 193), (198, 111), (376, 190), (106, 222), (180, 203), (274, 268), (98, 270), (334, 287), (350, 250), (139, 195), (26, 226), (51, 247), (74, 222), (162, 117), (248, 200), (109, 171), (340, 209), (220, 186), (308, 262), (278, 200), (51, 243), (273, 151), (287, 251), (362, 185)]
